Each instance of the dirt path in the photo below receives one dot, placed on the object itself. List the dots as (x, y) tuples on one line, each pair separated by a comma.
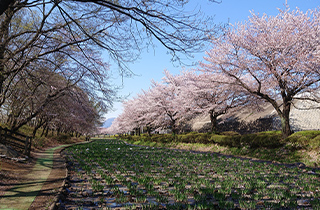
[(37, 188)]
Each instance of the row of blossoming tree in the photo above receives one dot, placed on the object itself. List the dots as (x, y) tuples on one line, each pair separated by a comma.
[(266, 59)]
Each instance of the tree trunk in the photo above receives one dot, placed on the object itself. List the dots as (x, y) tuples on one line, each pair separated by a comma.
[(149, 131), (173, 127), (285, 122), (213, 120), (40, 123), (4, 33), (4, 5), (44, 129), (284, 114), (35, 131), (47, 132)]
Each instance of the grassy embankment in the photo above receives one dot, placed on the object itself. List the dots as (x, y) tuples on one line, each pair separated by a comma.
[(303, 146)]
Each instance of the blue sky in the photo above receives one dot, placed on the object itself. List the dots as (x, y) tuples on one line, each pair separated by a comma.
[(152, 63)]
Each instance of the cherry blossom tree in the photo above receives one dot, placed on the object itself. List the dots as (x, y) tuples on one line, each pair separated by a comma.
[(35, 89), (153, 108), (73, 113), (131, 119), (179, 98), (207, 93), (114, 128), (142, 109), (275, 58), (161, 106)]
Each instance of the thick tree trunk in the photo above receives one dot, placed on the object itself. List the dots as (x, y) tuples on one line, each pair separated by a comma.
[(285, 120), (4, 33), (284, 114), (149, 130), (213, 120), (4, 5), (173, 127), (34, 131)]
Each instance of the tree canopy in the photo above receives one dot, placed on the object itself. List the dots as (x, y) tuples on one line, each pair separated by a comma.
[(275, 58), (66, 39)]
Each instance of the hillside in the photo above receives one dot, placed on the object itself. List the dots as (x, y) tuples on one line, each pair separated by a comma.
[(108, 122), (268, 118)]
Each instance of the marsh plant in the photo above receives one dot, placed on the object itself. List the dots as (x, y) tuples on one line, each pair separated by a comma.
[(136, 175)]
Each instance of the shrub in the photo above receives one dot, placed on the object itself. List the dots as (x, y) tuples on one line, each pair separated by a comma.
[(161, 138), (230, 133), (128, 137), (267, 139), (63, 137), (185, 138), (224, 140), (156, 138), (315, 142), (38, 142), (303, 139), (202, 138), (188, 138)]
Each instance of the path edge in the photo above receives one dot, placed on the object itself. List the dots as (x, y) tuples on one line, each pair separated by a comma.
[(53, 205)]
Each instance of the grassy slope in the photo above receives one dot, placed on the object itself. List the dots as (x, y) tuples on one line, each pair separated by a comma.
[(303, 146)]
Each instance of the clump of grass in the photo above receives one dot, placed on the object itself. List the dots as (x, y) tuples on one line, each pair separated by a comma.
[(305, 139)]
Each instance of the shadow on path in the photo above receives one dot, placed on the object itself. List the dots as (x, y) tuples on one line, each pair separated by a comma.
[(22, 194)]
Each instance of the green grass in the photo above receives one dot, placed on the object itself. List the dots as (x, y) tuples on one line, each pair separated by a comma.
[(185, 179)]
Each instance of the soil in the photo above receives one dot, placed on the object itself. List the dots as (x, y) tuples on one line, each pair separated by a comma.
[(12, 173)]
